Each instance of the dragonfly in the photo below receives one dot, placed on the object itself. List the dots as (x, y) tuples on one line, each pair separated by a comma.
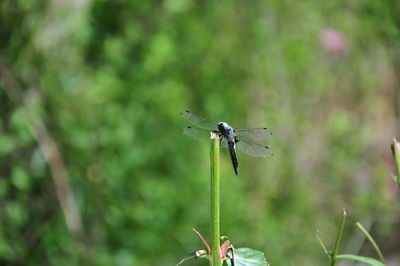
[(245, 140)]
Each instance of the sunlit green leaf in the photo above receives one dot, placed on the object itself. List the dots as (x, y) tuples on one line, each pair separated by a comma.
[(6, 144), (20, 178), (248, 257)]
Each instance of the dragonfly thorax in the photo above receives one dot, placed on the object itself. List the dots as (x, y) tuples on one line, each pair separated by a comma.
[(226, 130)]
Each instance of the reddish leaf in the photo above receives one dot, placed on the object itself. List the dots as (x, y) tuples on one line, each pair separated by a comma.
[(224, 248), (203, 241)]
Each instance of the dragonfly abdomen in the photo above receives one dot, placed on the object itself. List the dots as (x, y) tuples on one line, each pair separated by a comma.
[(232, 152)]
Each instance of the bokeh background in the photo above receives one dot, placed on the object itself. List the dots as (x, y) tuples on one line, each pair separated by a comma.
[(94, 169)]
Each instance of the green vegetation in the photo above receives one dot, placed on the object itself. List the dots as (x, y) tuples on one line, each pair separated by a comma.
[(94, 169), (334, 255)]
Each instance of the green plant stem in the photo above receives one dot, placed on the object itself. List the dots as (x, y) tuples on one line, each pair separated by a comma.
[(322, 244), (371, 240), (396, 154), (215, 201), (338, 238)]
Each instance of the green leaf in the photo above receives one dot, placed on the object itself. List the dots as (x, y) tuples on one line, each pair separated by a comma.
[(396, 179), (17, 213), (370, 261), (6, 144), (248, 257), (200, 254), (4, 187), (20, 178)]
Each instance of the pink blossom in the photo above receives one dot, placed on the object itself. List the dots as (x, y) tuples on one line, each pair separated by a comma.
[(333, 41)]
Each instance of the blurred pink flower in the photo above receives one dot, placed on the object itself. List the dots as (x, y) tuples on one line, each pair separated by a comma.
[(333, 41)]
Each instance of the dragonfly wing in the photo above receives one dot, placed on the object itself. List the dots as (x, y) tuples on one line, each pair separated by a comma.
[(199, 121), (256, 134), (253, 149), (224, 143), (202, 135)]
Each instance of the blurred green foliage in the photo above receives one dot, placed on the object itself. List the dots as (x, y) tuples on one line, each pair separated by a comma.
[(108, 79)]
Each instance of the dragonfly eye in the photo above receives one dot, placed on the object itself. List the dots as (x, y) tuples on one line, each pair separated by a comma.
[(221, 126)]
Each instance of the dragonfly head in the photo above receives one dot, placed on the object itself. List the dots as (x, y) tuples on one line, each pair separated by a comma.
[(224, 127)]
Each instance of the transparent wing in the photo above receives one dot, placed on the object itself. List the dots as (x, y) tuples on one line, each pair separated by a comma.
[(201, 135), (253, 149), (199, 121), (256, 134), (224, 143)]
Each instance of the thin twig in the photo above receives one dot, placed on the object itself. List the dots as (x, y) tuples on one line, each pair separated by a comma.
[(50, 151), (371, 240), (338, 237)]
